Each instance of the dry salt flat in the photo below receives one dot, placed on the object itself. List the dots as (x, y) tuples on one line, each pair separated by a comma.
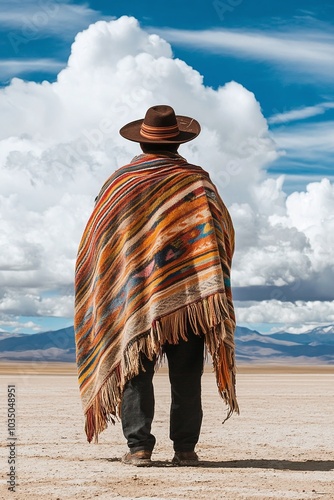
[(280, 447)]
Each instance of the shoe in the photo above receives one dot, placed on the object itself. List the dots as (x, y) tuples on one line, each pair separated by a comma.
[(185, 458), (141, 458)]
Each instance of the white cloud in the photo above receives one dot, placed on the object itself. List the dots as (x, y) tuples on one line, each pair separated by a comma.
[(30, 20), (297, 313), (304, 145), (29, 303), (9, 67), (310, 139), (60, 141), (17, 326), (300, 114), (308, 51), (285, 239), (311, 213)]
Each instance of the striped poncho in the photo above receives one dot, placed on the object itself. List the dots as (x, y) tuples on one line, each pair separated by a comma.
[(156, 253)]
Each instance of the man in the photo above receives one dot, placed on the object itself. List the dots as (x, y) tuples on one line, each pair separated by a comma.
[(153, 279)]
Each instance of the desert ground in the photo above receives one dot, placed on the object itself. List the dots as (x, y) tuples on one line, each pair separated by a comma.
[(280, 447)]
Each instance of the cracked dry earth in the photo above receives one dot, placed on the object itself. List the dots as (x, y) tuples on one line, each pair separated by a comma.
[(280, 447)]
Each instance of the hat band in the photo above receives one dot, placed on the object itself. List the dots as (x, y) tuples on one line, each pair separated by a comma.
[(156, 133)]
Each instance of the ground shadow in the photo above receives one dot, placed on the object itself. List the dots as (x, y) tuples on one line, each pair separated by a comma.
[(305, 465)]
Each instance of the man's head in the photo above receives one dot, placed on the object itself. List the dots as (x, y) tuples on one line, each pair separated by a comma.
[(161, 127), (148, 147)]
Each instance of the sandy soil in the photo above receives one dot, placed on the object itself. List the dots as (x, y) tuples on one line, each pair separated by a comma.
[(280, 447)]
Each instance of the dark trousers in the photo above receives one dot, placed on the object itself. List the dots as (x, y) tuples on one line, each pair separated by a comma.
[(185, 363)]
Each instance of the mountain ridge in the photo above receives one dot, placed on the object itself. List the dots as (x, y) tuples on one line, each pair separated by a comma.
[(315, 346)]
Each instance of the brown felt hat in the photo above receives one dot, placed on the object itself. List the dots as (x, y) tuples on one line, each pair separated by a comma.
[(161, 125)]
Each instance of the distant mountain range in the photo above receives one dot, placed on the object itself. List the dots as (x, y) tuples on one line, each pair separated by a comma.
[(56, 345), (315, 346)]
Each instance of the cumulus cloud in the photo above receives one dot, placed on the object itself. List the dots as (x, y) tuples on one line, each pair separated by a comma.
[(284, 240), (311, 214), (59, 142), (296, 314)]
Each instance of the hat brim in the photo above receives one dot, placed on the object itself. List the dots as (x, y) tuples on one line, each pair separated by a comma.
[(189, 128)]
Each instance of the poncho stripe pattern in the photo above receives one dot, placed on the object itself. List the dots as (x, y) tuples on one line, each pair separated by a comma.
[(155, 254)]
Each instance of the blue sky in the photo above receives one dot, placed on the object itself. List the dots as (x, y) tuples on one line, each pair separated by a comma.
[(282, 52)]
